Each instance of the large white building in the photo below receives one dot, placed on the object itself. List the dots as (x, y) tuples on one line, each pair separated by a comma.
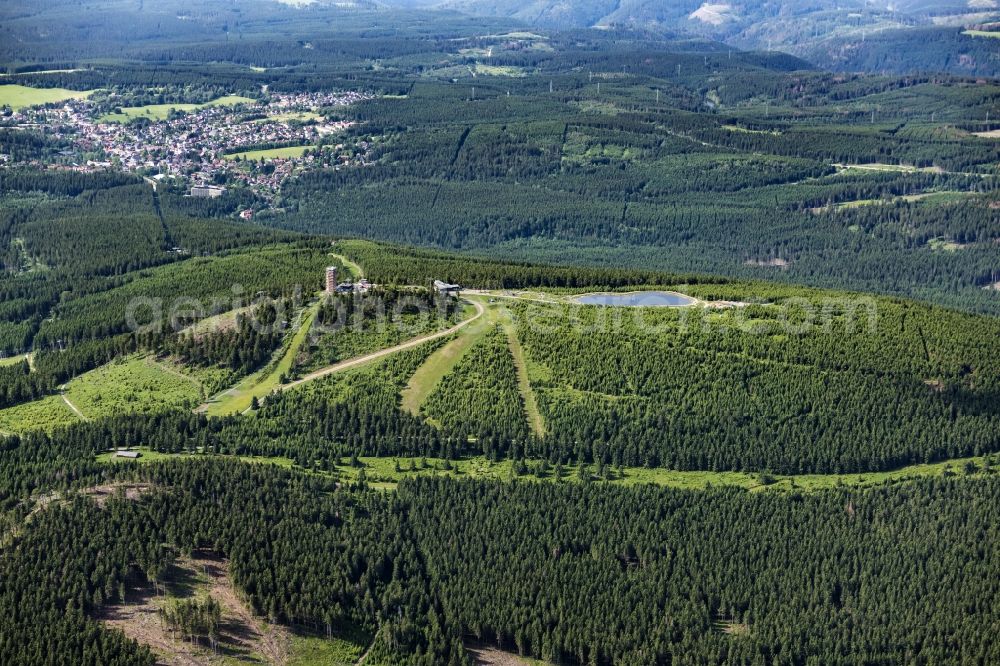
[(210, 191), (445, 288)]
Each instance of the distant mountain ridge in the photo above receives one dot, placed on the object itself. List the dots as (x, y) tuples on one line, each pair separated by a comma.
[(720, 17), (831, 33)]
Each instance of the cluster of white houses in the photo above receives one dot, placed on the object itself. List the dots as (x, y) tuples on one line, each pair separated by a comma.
[(199, 145)]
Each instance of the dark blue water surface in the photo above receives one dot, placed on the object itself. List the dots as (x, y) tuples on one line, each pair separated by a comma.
[(641, 299)]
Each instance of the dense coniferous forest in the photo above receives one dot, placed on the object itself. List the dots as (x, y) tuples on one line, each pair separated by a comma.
[(756, 578), (798, 465), (640, 186), (804, 579), (700, 392), (708, 390)]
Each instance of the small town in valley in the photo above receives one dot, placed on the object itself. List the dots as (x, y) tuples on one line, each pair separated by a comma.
[(231, 141)]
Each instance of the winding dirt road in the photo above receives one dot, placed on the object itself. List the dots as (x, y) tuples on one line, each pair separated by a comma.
[(74, 408), (362, 360)]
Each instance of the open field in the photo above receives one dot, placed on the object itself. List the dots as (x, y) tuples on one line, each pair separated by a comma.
[(270, 153), (500, 70), (161, 111), (150, 456), (14, 360), (43, 71), (944, 196), (381, 473), (18, 97), (356, 271), (892, 168), (386, 473), (745, 130), (225, 321), (135, 384), (535, 419), (344, 648), (302, 116), (946, 245), (45, 414), (938, 197)]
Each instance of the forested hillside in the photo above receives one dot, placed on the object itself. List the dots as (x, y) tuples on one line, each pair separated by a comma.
[(605, 148), (424, 567), (534, 568), (807, 190), (950, 48), (897, 37), (332, 334)]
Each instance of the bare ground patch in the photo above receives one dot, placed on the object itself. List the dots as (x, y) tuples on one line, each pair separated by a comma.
[(734, 628), (486, 655), (242, 637), (768, 263), (102, 493), (936, 385)]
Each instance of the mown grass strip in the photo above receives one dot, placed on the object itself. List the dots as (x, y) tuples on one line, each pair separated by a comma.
[(534, 415), (260, 384), (440, 363)]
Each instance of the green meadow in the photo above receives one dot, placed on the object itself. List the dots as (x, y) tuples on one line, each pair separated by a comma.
[(18, 97), (385, 473), (270, 153), (345, 647), (12, 360), (132, 385), (981, 33), (161, 111), (45, 414)]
